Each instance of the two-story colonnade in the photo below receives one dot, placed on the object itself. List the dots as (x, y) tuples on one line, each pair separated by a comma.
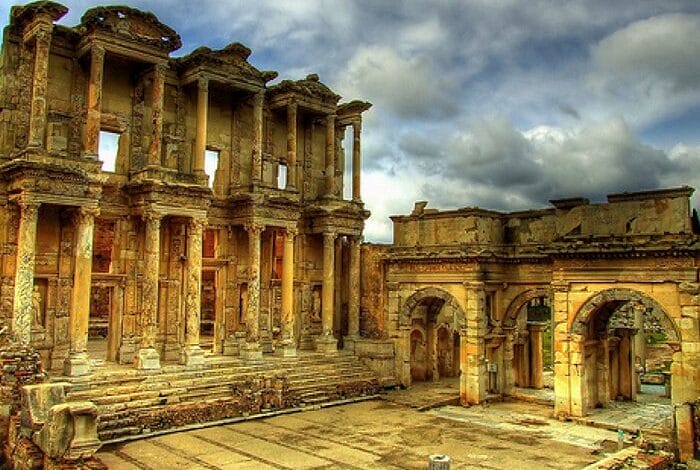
[(151, 206)]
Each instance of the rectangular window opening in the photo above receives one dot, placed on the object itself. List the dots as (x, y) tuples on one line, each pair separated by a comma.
[(282, 176), (108, 150), (211, 164)]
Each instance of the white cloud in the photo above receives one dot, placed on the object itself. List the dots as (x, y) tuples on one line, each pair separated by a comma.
[(409, 87)]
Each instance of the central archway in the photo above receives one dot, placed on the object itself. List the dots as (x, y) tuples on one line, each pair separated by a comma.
[(432, 320)]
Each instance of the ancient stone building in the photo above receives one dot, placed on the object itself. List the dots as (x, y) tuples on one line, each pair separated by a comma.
[(103, 259), (471, 292), (217, 229)]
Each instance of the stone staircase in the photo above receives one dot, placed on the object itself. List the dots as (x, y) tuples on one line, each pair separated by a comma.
[(131, 403)]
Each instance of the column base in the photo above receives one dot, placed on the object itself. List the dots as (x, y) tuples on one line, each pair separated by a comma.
[(286, 350), (192, 356), (77, 364), (327, 344), (147, 359), (349, 342), (252, 352)]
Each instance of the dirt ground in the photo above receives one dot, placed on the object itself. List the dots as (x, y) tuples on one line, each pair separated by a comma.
[(371, 435)]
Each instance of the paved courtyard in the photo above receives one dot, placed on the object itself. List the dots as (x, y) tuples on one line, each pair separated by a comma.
[(372, 435)]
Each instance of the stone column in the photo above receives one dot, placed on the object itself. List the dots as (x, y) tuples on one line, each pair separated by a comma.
[(157, 96), (472, 386), (37, 122), (200, 142), (326, 342), (193, 355), (147, 357), (356, 161), (24, 271), (256, 163), (252, 350), (288, 348), (91, 132), (292, 145), (508, 355), (354, 299), (78, 361), (536, 346), (330, 155)]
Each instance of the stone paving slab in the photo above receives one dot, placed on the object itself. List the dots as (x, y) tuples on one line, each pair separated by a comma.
[(366, 435)]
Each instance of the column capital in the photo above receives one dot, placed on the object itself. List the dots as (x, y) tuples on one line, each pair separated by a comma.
[(356, 239), (254, 228), (28, 208), (196, 223), (329, 237), (330, 118), (160, 68), (152, 217), (291, 232), (97, 52), (292, 106), (259, 97), (356, 126), (85, 214), (203, 84)]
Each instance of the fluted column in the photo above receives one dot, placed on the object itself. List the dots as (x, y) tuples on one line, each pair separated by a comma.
[(200, 142), (252, 349), (330, 155), (24, 271), (292, 145), (37, 122), (356, 160), (354, 299), (91, 136), (148, 357), (78, 361), (536, 352), (157, 95), (288, 322), (256, 165), (327, 342), (193, 355)]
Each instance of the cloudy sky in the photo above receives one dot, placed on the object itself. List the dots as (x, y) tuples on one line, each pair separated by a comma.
[(502, 104)]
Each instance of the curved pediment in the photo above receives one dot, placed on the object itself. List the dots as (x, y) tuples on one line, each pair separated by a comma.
[(232, 60), (131, 24)]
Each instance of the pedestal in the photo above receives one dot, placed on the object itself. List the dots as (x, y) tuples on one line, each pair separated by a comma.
[(286, 350), (193, 357), (327, 344), (147, 359), (252, 352), (77, 364)]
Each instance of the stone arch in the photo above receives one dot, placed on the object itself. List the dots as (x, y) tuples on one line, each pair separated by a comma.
[(622, 296), (444, 299), (521, 299)]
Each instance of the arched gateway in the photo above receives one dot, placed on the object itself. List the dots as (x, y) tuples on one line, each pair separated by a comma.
[(433, 320), (605, 343)]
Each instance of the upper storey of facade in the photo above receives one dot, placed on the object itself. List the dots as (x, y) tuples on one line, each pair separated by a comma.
[(642, 221), (207, 120)]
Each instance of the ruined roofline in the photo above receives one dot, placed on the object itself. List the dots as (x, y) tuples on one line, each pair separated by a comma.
[(565, 203), (667, 193)]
